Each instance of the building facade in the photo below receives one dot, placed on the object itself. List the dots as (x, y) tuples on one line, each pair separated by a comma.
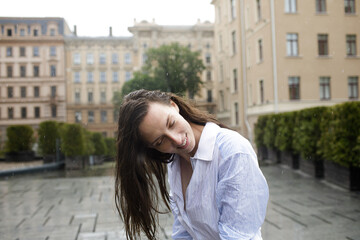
[(295, 54), (97, 67), (32, 71)]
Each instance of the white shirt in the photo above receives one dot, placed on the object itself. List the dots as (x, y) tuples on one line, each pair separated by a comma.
[(227, 195)]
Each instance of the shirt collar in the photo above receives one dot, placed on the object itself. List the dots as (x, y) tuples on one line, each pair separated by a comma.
[(207, 142)]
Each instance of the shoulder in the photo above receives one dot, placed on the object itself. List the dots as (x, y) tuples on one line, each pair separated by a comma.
[(230, 142)]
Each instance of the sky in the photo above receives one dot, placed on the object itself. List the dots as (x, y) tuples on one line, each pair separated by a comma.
[(93, 18)]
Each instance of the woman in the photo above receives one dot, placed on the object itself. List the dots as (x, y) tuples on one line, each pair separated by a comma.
[(217, 188)]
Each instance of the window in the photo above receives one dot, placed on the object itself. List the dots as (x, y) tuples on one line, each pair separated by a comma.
[(36, 71), (127, 58), (235, 80), (294, 88), (321, 6), (144, 58), (9, 71), (290, 6), (52, 51), (9, 52), (102, 77), (260, 47), (77, 96), (90, 96), (221, 78), (115, 77), (103, 96), (35, 51), (222, 100), (22, 51), (102, 59), (52, 32), (323, 45), (22, 71), (9, 32), (353, 87), (53, 71), (209, 96), (233, 37), (115, 58), (76, 58), (10, 113), (78, 116), (261, 85), (37, 112), (208, 75), (236, 113), (127, 76), (36, 91), (76, 77), (91, 116), (292, 44), (349, 6), (23, 112), (233, 9), (10, 92), (208, 58), (53, 91), (90, 77), (103, 116), (258, 8), (351, 45), (36, 32), (324, 88), (89, 58), (53, 111), (22, 32), (23, 92)]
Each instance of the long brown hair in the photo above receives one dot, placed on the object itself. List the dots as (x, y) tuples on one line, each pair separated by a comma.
[(140, 171)]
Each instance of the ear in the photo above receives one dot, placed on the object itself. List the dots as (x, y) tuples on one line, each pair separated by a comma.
[(173, 104)]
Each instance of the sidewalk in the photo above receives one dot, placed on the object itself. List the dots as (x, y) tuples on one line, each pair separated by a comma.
[(46, 207)]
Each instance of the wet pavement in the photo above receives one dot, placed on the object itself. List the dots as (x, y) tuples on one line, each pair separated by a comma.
[(80, 206)]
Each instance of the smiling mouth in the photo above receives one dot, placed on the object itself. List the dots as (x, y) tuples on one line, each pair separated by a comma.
[(184, 144)]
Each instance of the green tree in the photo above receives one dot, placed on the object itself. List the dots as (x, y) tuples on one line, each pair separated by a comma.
[(19, 138), (99, 144), (47, 134), (171, 68)]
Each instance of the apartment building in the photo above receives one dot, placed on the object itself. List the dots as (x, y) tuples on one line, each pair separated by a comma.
[(97, 67), (197, 37), (32, 71), (294, 55)]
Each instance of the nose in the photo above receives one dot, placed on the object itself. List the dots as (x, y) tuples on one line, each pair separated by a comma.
[(174, 138)]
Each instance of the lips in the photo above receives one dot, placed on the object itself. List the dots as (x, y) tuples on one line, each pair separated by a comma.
[(184, 144)]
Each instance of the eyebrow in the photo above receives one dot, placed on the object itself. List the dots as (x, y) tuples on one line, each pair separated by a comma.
[(167, 122)]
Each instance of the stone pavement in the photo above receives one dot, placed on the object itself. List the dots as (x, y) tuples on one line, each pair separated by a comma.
[(49, 207)]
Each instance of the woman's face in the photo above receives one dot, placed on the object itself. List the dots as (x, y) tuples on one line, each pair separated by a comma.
[(165, 130)]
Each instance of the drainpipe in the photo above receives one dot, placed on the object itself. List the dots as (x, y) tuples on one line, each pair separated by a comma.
[(243, 59), (273, 38)]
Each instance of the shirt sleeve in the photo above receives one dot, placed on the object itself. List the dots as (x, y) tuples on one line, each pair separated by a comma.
[(179, 232), (242, 196)]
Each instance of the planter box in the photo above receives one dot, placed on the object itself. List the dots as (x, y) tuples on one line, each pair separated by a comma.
[(274, 155), (314, 168), (347, 177), (49, 158), (262, 153), (290, 159), (24, 156), (76, 163)]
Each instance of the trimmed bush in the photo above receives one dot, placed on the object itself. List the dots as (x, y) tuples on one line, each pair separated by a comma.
[(99, 144), (72, 140), (20, 138), (307, 132), (48, 132), (260, 130), (286, 124), (271, 130), (89, 148), (110, 147), (339, 141)]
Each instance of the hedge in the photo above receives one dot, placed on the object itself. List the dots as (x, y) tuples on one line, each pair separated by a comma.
[(48, 132), (19, 138)]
